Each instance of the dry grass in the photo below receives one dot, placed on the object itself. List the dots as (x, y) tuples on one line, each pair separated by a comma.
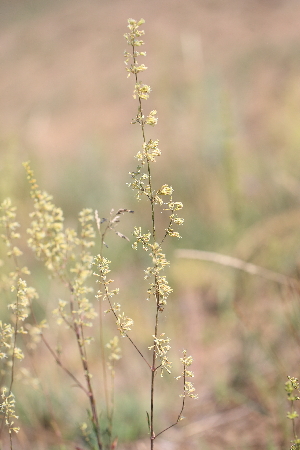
[(226, 78)]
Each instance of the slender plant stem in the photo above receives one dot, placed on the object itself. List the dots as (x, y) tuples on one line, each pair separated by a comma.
[(79, 333), (101, 335), (112, 403), (60, 364), (157, 296), (10, 441), (13, 359), (126, 334), (102, 350), (14, 348), (15, 259), (182, 407), (81, 348), (153, 372)]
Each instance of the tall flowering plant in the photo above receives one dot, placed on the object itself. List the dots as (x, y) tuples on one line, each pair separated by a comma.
[(159, 199)]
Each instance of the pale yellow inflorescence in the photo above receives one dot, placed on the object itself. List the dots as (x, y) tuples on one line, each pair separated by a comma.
[(292, 388), (48, 240), (65, 253), (161, 348), (141, 180), (19, 307), (189, 388), (7, 408), (141, 183), (6, 335), (114, 354), (123, 322)]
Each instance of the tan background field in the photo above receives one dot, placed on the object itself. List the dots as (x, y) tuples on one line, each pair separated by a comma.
[(225, 79)]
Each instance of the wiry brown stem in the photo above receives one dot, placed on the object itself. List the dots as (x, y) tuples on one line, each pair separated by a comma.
[(102, 350), (15, 259), (95, 421), (79, 333), (153, 372), (78, 330), (182, 407), (83, 357), (126, 334), (60, 364), (142, 123), (151, 198)]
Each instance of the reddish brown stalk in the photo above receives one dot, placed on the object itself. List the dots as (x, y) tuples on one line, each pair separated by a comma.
[(151, 199), (60, 364), (126, 334), (15, 259), (182, 406), (78, 330), (95, 422), (101, 336), (153, 371)]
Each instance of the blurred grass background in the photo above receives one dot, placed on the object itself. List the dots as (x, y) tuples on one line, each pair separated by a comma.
[(225, 80)]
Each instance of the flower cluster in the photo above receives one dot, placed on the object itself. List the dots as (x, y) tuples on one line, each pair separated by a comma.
[(188, 388), (143, 238), (25, 294), (114, 354), (64, 253), (141, 180), (141, 91), (8, 222), (50, 243), (61, 314), (7, 408), (161, 347), (133, 39), (292, 388), (6, 335), (123, 322), (159, 288), (20, 309), (149, 153), (10, 226), (102, 265), (83, 311)]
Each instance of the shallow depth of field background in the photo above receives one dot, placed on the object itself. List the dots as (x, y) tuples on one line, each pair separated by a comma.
[(225, 77)]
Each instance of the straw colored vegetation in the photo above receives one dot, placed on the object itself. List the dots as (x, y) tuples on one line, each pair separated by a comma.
[(99, 314)]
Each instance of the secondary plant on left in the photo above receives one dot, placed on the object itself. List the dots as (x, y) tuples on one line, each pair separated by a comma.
[(67, 256), (21, 298)]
